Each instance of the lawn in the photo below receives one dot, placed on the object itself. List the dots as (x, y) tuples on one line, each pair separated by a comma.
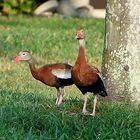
[(27, 107)]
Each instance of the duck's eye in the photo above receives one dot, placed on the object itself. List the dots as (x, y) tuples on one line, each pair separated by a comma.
[(23, 53)]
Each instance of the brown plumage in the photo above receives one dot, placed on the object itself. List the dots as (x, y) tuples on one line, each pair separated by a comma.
[(86, 77), (55, 75)]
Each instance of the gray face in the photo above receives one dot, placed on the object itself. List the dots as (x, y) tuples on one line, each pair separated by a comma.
[(25, 55)]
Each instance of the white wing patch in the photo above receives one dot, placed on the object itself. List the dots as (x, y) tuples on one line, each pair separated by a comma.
[(100, 75), (62, 73), (101, 78)]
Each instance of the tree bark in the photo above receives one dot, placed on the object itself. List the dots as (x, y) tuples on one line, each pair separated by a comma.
[(121, 59)]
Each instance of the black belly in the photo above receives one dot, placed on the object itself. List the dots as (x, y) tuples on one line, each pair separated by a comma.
[(64, 82), (97, 87)]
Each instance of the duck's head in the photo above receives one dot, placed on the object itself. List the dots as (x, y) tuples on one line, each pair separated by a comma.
[(24, 55), (80, 35)]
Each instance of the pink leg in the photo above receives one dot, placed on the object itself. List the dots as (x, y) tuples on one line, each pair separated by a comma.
[(85, 105), (61, 96), (94, 106), (58, 96)]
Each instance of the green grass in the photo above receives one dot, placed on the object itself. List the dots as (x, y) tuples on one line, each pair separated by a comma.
[(27, 110)]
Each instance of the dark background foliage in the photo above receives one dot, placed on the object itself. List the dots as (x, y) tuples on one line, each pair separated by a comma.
[(18, 6)]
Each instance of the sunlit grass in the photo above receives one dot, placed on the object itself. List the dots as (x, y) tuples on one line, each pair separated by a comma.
[(27, 107)]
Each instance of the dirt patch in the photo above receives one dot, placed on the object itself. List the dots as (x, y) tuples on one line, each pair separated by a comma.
[(2, 27)]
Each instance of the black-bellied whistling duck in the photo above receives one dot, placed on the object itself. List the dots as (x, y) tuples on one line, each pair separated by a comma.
[(54, 75), (86, 77)]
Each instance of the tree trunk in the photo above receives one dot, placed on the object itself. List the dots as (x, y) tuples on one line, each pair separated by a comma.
[(121, 60)]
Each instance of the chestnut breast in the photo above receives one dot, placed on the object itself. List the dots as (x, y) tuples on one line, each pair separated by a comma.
[(84, 75)]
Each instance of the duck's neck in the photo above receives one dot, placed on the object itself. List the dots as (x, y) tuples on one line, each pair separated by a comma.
[(82, 42), (33, 69), (81, 55)]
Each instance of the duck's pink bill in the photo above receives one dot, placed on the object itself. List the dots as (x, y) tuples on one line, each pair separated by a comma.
[(78, 34), (16, 59)]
